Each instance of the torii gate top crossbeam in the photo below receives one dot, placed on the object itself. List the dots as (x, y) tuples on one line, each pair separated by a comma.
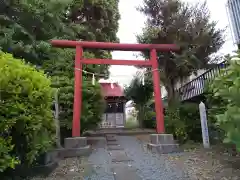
[(114, 46)]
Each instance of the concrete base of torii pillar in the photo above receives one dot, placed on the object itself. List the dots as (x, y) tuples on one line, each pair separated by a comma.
[(74, 147), (163, 144)]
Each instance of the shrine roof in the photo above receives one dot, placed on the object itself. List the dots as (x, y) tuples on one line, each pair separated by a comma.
[(108, 91)]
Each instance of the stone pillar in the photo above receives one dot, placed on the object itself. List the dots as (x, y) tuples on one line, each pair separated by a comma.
[(163, 143)]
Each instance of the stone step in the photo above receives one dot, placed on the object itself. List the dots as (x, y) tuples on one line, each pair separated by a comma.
[(111, 138), (109, 143), (114, 147), (119, 156)]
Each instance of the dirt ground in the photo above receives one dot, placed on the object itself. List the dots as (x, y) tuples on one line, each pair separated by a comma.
[(216, 163)]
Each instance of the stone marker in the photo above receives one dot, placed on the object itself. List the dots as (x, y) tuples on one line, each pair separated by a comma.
[(204, 125)]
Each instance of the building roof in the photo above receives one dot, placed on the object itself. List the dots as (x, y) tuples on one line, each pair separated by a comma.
[(108, 91)]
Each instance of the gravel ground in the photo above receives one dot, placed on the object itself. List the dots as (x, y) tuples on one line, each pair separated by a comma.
[(69, 169), (194, 164), (211, 164), (98, 165), (149, 166), (216, 163), (101, 164)]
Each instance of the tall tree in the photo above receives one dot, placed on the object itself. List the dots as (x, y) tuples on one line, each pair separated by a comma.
[(140, 94), (27, 26), (190, 27)]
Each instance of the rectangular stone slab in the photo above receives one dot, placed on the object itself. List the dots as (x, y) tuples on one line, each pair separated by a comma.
[(110, 135), (109, 143), (161, 139), (75, 142), (114, 147), (111, 138), (119, 156), (164, 148), (124, 172)]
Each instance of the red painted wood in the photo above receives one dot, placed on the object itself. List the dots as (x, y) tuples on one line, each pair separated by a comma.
[(115, 46), (117, 62), (77, 106), (108, 91), (79, 45), (157, 92)]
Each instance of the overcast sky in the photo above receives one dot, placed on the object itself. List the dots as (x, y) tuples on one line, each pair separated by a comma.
[(132, 22)]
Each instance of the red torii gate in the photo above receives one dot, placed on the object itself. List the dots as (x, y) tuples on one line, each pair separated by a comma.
[(80, 60)]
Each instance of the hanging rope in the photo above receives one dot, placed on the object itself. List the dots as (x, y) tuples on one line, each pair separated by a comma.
[(142, 76)]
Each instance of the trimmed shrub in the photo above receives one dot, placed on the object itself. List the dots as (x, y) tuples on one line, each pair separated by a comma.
[(131, 122), (174, 125), (150, 120), (184, 122), (26, 119)]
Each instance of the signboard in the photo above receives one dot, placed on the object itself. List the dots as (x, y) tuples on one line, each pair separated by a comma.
[(204, 125)]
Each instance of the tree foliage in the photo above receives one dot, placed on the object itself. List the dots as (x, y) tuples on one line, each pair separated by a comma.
[(27, 26), (26, 126), (93, 103), (227, 87), (190, 27), (140, 94)]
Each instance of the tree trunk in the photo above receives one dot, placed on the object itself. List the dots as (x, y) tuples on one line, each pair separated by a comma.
[(170, 93), (140, 115)]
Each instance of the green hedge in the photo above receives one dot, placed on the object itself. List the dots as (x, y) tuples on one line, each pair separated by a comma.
[(183, 121), (26, 119)]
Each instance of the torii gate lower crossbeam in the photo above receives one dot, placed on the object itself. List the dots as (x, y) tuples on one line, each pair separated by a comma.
[(79, 61)]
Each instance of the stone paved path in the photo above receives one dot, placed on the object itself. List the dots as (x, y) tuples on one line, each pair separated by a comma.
[(126, 158)]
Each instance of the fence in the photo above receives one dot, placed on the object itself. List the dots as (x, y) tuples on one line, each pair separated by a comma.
[(196, 86)]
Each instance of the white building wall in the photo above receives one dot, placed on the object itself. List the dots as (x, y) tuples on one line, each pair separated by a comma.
[(185, 81), (233, 10)]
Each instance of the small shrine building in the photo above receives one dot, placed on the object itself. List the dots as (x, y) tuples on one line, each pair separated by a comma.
[(114, 115)]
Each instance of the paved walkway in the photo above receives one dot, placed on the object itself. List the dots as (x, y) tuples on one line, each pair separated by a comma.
[(126, 158)]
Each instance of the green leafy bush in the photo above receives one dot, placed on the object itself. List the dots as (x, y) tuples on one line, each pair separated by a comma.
[(7, 160), (131, 122), (189, 115), (26, 120), (149, 119), (227, 87), (215, 105), (183, 121), (174, 125)]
